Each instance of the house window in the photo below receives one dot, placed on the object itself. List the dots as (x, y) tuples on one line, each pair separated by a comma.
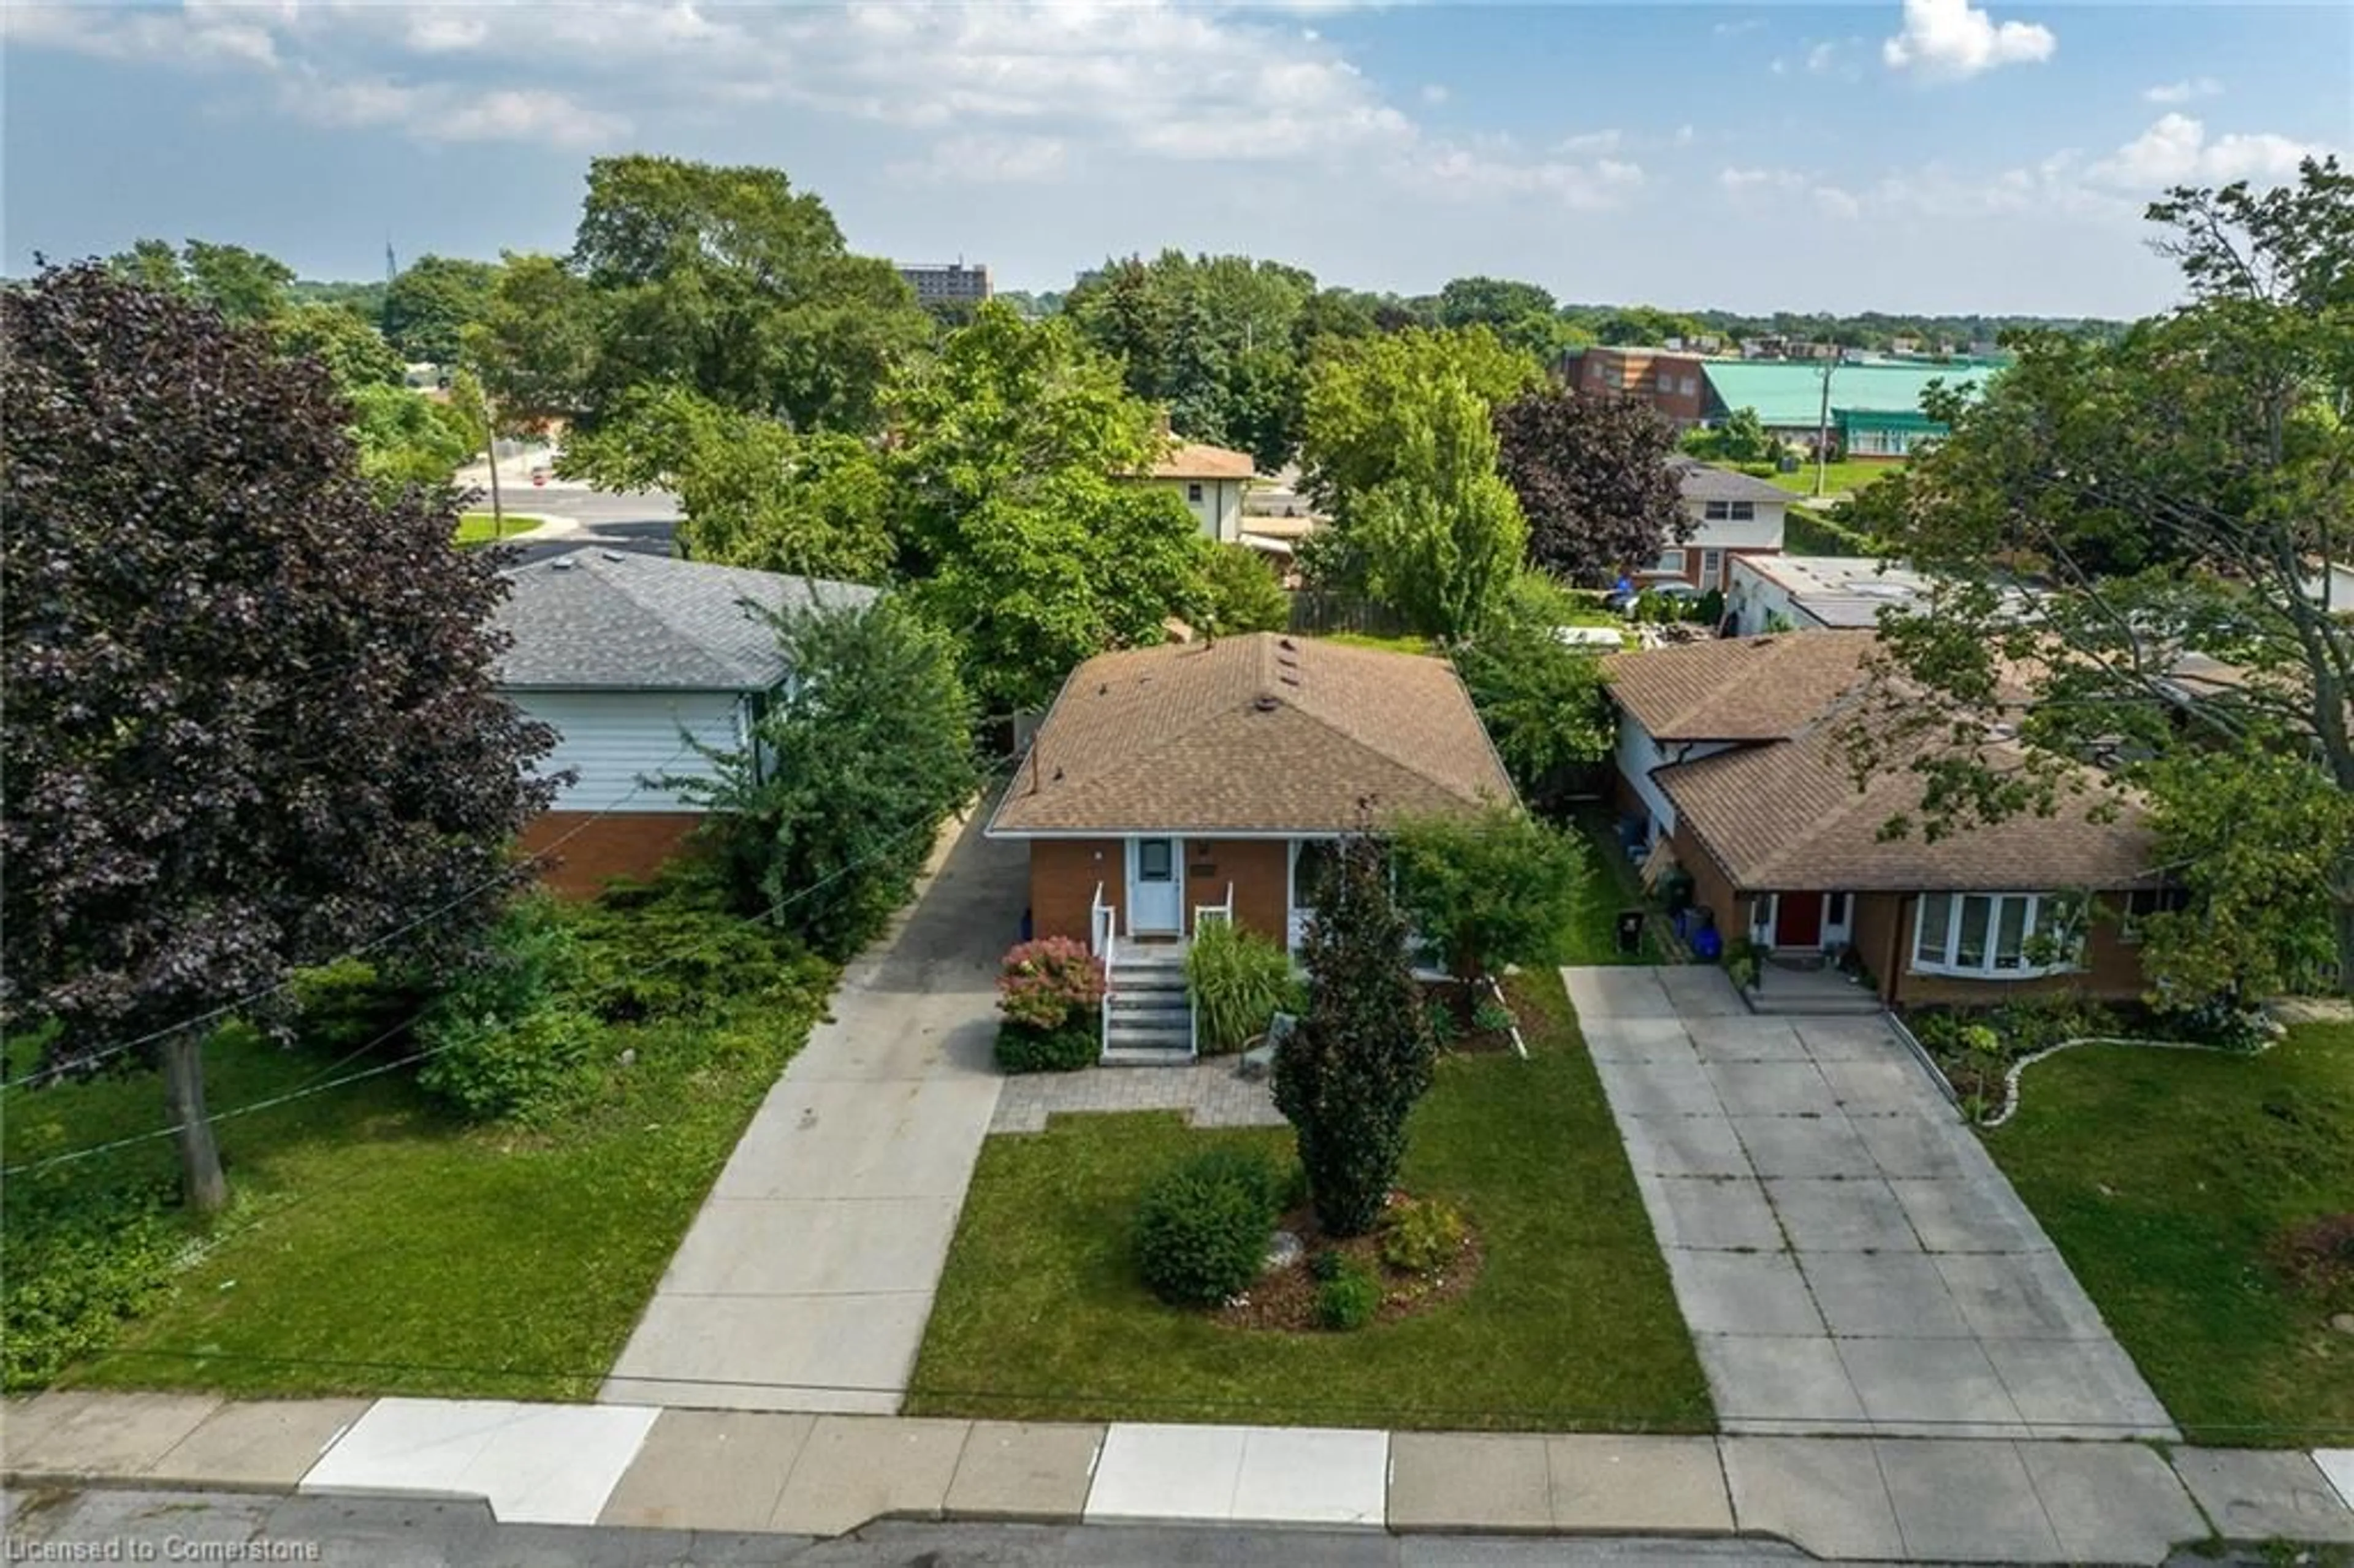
[(1155, 859), (1988, 936), (2141, 903), (1712, 567), (1670, 562), (1730, 511), (1194, 493), (1834, 910), (1717, 510), (1690, 387)]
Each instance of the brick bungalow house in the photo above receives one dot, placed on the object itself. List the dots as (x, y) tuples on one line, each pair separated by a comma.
[(1729, 751), (1208, 781), (624, 655)]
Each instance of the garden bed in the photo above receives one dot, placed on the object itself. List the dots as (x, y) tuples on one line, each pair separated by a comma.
[(1478, 1019), (1981, 1051), (1285, 1299)]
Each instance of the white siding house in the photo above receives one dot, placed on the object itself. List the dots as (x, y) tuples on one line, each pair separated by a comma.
[(1727, 516), (612, 741), (1210, 481), (1636, 753), (625, 656)]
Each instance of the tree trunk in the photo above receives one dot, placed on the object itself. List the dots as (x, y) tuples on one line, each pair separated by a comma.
[(2341, 920), (203, 1185)]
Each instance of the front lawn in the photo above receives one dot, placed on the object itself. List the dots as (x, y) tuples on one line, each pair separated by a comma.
[(1571, 1324), (377, 1244), (2166, 1177)]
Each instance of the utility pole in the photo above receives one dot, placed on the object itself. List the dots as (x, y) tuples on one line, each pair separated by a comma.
[(1823, 431), (491, 450)]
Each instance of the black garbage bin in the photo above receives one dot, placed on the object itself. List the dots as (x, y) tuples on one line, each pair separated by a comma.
[(1630, 930), (1025, 924)]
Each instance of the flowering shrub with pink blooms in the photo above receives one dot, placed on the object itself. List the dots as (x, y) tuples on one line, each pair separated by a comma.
[(1048, 983)]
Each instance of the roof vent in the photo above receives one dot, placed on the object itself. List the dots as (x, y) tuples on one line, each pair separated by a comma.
[(613, 555), (1286, 644), (1288, 679), (1104, 689), (562, 563), (1265, 704)]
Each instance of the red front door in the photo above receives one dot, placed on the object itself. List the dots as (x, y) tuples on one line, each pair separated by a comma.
[(1798, 920)]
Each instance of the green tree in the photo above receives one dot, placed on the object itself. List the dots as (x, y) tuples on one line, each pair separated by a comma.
[(429, 307), (1541, 700), (1594, 481), (1741, 438), (1360, 394), (250, 722), (2175, 494), (1348, 1076), (729, 282), (352, 352), (842, 788), (535, 345), (1520, 314), (1242, 592), (1493, 888), (1443, 535), (244, 286), (752, 493), (404, 439)]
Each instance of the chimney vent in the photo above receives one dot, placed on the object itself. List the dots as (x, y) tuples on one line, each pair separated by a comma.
[(1265, 704)]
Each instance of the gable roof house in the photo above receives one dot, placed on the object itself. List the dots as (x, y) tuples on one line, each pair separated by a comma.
[(1173, 785), (1731, 751), (625, 655), (1729, 516), (1212, 480)]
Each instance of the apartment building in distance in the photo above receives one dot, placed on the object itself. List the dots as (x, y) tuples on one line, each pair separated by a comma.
[(946, 283)]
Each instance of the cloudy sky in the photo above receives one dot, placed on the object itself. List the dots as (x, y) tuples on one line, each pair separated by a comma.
[(1921, 155)]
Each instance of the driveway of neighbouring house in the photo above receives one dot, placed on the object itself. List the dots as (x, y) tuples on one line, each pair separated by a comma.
[(1845, 1253), (805, 1281)]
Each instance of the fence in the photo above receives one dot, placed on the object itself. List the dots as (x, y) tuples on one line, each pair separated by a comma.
[(1321, 614)]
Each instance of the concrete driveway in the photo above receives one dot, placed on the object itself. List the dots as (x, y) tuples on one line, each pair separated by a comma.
[(805, 1281), (1845, 1253)]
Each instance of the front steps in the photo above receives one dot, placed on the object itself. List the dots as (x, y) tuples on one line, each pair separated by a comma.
[(1151, 1014)]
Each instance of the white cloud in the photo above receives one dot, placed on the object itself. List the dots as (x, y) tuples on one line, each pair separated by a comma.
[(1948, 40), (529, 115), (2182, 91), (1432, 92), (1593, 142), (2177, 150), (1683, 136), (989, 159), (1833, 202), (439, 32), (1822, 57), (1748, 182), (1736, 29)]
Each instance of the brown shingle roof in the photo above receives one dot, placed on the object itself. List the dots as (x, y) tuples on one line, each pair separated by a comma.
[(1257, 733), (1787, 816), (1192, 460), (1748, 688)]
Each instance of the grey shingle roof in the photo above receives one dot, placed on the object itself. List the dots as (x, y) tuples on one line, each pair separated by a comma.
[(1705, 481), (605, 619)]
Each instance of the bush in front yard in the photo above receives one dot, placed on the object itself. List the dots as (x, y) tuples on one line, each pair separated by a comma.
[(1203, 1228), (506, 1038), (1349, 1299), (1046, 983), (1239, 980), (1422, 1235), (1025, 1048), (1488, 889), (79, 1260)]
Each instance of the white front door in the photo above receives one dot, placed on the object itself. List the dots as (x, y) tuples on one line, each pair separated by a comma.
[(1155, 890)]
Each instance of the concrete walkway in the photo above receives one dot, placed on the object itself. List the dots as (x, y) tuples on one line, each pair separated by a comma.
[(1847, 1255), (805, 1281), (1877, 1500)]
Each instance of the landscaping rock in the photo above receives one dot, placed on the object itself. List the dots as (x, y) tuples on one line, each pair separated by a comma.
[(1283, 1250), (2343, 1322)]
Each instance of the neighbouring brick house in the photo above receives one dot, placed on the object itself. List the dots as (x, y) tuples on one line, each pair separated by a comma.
[(626, 655), (1731, 751), (1206, 781)]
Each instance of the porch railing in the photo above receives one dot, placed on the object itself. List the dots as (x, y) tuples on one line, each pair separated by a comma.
[(1103, 939), (1202, 912)]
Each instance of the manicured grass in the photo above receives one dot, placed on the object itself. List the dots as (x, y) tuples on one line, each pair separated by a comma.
[(1611, 885), (376, 1245), (1382, 644), (477, 528), (1839, 478), (2164, 1176), (1571, 1324)]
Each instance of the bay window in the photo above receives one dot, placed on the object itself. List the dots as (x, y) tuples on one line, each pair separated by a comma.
[(1992, 936)]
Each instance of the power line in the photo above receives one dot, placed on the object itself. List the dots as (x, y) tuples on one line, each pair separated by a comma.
[(612, 983), (513, 871)]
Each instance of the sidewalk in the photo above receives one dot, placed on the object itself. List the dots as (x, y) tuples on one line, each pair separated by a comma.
[(1917, 1500)]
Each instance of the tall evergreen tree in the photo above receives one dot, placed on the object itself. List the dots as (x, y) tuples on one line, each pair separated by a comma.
[(1348, 1077)]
